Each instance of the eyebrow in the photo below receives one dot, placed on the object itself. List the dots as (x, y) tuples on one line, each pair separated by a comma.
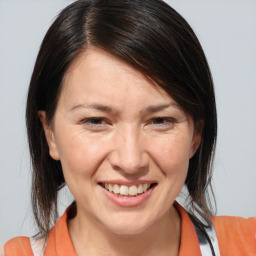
[(100, 107), (109, 109), (157, 108)]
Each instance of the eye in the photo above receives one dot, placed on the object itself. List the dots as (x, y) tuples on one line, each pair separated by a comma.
[(95, 122), (162, 122)]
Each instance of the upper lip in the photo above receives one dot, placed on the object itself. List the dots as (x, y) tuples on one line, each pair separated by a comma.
[(127, 183)]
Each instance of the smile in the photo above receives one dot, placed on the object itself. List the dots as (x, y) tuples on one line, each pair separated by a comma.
[(124, 190), (128, 194)]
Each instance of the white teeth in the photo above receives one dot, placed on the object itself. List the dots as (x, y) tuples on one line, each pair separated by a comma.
[(116, 189), (125, 190), (140, 189), (145, 187), (133, 190), (110, 187)]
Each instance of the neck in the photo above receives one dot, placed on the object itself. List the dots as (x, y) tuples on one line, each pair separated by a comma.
[(162, 238)]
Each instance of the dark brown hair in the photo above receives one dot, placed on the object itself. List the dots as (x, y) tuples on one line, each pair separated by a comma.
[(154, 39)]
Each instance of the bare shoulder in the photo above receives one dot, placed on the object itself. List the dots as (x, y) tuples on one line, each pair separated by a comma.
[(2, 250)]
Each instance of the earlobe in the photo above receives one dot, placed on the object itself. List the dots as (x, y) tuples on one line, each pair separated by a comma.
[(49, 135), (195, 144), (197, 136)]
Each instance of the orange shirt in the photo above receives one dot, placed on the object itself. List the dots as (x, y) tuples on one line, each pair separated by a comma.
[(236, 237)]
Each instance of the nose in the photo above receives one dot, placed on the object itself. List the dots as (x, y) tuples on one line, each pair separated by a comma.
[(129, 155)]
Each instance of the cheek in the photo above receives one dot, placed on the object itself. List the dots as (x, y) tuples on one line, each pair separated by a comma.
[(173, 155), (79, 154), (80, 158)]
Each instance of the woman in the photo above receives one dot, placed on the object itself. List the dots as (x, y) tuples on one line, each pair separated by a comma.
[(121, 109)]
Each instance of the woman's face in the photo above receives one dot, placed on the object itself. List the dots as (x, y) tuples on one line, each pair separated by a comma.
[(123, 143)]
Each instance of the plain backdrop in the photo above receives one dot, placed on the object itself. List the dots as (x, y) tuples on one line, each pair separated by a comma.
[(227, 32)]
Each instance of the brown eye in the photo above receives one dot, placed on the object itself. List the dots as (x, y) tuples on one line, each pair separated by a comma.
[(158, 120), (95, 121), (162, 121)]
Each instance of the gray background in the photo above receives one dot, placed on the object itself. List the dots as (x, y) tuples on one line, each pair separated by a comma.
[(227, 31)]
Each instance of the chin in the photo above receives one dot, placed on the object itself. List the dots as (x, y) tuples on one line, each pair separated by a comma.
[(128, 226)]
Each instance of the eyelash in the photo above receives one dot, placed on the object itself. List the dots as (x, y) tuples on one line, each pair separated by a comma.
[(157, 122), (162, 121), (94, 122)]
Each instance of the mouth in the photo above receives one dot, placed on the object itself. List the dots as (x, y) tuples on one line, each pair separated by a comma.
[(128, 190)]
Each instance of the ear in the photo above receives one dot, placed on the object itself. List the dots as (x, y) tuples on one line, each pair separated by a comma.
[(49, 135), (197, 136)]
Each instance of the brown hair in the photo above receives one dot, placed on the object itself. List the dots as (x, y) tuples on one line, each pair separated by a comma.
[(154, 39)]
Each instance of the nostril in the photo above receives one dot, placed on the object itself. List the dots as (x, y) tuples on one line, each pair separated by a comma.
[(128, 155), (131, 165)]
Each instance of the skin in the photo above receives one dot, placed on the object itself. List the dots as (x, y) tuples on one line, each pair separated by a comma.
[(113, 123), (2, 253)]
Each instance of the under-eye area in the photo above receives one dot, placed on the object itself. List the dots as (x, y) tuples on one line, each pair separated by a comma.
[(125, 190)]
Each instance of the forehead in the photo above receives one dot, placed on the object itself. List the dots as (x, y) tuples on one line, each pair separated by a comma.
[(98, 64), (100, 76)]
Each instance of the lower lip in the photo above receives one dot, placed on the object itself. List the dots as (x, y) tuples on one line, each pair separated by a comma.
[(128, 201)]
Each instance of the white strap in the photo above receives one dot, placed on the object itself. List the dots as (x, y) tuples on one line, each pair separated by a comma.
[(207, 240), (213, 238), (37, 246)]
